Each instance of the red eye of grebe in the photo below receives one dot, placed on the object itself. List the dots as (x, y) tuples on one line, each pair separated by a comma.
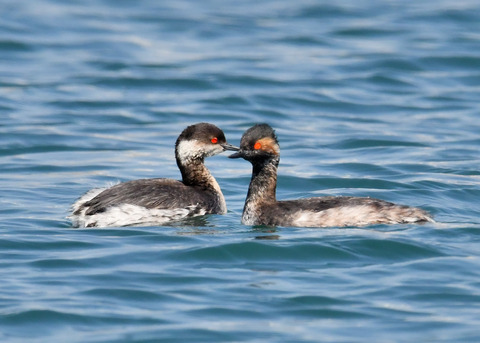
[(257, 146), (214, 140)]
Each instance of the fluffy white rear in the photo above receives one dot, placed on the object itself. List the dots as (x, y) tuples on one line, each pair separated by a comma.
[(131, 215), (83, 199)]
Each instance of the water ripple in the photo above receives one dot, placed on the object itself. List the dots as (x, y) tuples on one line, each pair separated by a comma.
[(367, 98)]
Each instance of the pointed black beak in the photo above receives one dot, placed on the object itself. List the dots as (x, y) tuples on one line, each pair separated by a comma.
[(238, 154), (228, 146)]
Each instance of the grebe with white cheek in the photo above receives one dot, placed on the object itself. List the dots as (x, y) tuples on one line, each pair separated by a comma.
[(159, 201)]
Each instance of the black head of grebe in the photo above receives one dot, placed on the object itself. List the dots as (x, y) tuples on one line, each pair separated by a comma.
[(193, 145), (259, 146), (158, 201), (199, 141)]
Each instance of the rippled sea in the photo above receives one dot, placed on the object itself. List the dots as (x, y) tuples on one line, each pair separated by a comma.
[(368, 98)]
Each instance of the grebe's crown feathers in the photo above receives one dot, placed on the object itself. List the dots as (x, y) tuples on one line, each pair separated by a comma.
[(256, 133), (201, 132)]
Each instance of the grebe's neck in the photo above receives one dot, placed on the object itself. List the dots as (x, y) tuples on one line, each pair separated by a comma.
[(196, 174), (262, 189)]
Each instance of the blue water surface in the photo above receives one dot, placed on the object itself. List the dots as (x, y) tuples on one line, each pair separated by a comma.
[(368, 98)]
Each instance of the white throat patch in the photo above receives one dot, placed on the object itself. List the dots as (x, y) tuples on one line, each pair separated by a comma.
[(193, 149), (188, 150)]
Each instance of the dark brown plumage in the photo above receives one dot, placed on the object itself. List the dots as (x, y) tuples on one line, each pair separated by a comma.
[(259, 146)]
